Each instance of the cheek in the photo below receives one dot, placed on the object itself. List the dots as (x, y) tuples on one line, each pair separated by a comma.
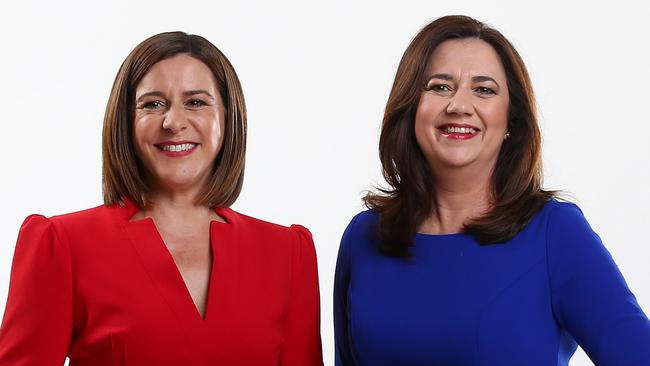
[(429, 107), (494, 115), (427, 110), (213, 130), (422, 134), (217, 133), (502, 115), (141, 132)]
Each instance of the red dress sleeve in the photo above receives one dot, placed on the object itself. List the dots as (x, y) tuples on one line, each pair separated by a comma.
[(302, 343), (37, 325)]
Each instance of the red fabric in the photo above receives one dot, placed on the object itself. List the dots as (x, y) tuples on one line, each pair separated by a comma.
[(103, 290)]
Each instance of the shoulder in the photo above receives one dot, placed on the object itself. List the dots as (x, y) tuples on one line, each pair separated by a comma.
[(572, 245), (363, 223), (59, 224), (35, 226), (276, 234), (246, 222), (85, 217), (362, 228), (39, 231), (565, 219), (562, 208), (556, 217)]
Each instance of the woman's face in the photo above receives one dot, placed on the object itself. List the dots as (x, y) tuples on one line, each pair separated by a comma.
[(461, 119), (179, 122)]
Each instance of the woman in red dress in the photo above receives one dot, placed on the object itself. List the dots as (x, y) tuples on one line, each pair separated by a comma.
[(164, 273)]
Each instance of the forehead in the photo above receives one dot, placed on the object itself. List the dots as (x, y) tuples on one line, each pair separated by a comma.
[(180, 71), (466, 56)]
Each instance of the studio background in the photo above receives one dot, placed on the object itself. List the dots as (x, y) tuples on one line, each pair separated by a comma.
[(316, 77)]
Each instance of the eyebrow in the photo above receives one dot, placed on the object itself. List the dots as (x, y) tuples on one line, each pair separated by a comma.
[(162, 95), (448, 77), (198, 91), (150, 94), (481, 78), (441, 76)]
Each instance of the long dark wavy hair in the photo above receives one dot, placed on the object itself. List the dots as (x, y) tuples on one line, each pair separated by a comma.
[(516, 182)]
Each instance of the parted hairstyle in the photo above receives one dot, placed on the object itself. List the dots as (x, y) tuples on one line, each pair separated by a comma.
[(516, 191), (123, 174)]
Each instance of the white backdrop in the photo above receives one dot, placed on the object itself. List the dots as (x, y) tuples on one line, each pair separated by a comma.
[(316, 78)]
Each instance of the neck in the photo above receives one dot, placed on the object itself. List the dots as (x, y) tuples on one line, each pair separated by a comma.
[(176, 204), (461, 195)]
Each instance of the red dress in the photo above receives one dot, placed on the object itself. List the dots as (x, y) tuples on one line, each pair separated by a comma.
[(103, 290)]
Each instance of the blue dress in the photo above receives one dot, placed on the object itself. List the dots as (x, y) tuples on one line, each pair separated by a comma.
[(529, 301)]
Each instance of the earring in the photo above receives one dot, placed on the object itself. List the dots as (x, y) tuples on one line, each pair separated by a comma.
[(507, 135)]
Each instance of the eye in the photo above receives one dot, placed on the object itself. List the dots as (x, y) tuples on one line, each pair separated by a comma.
[(154, 104), (195, 103), (484, 90), (439, 88)]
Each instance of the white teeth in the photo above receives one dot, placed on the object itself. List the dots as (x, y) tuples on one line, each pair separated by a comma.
[(468, 130), (176, 148)]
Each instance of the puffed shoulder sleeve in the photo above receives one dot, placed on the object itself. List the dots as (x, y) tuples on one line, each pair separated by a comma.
[(302, 342), (589, 295), (37, 324), (343, 354)]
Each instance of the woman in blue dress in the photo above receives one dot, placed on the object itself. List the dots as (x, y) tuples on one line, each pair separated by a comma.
[(464, 259)]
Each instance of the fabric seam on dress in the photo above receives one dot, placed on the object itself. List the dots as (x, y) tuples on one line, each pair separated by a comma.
[(501, 292), (601, 328), (548, 277), (59, 234), (296, 235), (353, 350)]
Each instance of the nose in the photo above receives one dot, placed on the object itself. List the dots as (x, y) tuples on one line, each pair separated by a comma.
[(461, 103), (175, 120)]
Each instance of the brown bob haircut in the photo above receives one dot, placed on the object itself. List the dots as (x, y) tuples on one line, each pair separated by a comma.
[(517, 177), (123, 174)]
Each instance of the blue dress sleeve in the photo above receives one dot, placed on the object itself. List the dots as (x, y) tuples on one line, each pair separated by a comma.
[(343, 353), (590, 298)]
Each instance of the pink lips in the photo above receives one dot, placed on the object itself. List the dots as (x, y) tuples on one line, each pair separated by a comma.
[(176, 144), (458, 135)]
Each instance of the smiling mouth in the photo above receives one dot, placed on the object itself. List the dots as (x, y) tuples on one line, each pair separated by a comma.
[(176, 147), (458, 129), (458, 132)]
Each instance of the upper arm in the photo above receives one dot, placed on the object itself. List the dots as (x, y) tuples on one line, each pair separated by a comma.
[(302, 329), (343, 347), (37, 324), (589, 295)]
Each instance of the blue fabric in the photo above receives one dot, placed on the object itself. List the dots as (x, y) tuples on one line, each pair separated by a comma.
[(529, 301)]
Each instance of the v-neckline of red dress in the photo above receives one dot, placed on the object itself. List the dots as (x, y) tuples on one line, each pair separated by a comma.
[(160, 264)]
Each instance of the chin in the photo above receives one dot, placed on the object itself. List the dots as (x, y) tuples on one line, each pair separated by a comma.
[(457, 160), (178, 181), (456, 164)]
